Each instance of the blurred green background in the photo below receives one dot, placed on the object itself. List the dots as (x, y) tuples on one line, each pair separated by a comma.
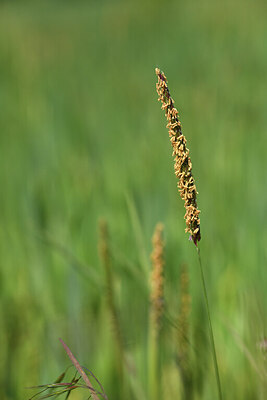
[(82, 136)]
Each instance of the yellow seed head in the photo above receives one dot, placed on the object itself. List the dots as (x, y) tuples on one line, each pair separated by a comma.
[(182, 162)]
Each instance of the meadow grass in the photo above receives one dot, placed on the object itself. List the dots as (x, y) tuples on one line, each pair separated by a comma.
[(82, 137)]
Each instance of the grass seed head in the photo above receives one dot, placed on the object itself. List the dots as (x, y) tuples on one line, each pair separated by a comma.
[(182, 162)]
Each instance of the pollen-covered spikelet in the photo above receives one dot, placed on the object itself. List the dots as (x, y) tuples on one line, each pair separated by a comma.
[(182, 162), (157, 278)]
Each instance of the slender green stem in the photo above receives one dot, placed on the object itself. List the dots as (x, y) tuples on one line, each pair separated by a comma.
[(210, 328), (153, 366)]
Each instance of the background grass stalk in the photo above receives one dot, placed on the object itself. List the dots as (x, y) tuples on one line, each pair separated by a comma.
[(210, 327), (156, 312), (153, 366), (105, 256), (184, 361)]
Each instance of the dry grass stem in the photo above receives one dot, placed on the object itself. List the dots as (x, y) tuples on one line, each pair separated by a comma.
[(182, 162), (81, 372)]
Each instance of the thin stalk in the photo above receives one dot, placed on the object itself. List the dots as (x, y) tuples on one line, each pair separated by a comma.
[(154, 370), (183, 334), (210, 328), (156, 313), (105, 256)]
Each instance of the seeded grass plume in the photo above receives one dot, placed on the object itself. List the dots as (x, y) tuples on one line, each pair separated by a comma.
[(182, 162)]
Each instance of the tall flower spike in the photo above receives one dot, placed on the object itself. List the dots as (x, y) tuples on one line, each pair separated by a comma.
[(182, 162)]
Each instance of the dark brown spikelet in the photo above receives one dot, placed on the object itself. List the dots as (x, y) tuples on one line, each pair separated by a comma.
[(182, 162)]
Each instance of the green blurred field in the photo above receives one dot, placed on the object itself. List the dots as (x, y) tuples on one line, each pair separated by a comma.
[(82, 136)]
